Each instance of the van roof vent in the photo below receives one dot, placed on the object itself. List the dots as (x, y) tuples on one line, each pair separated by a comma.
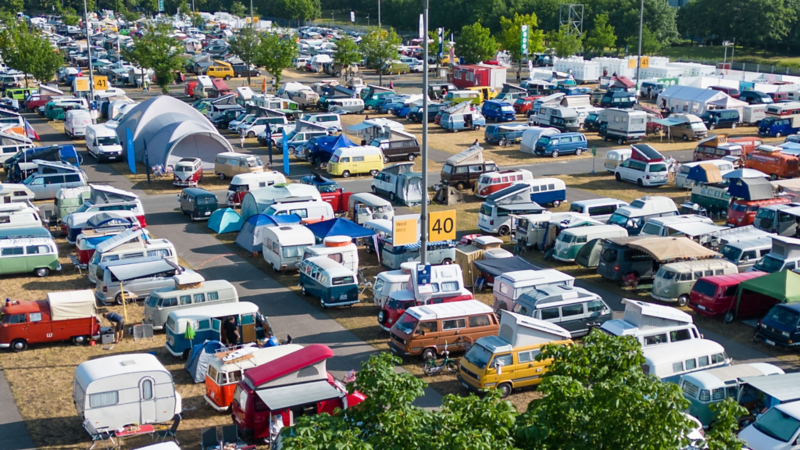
[(129, 362), (286, 228)]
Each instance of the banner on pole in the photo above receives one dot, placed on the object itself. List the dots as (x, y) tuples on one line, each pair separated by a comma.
[(523, 45), (352, 16), (421, 27), (441, 42), (160, 5)]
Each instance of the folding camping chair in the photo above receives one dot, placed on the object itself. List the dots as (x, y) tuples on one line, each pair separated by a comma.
[(208, 438), (77, 264), (103, 437), (164, 434)]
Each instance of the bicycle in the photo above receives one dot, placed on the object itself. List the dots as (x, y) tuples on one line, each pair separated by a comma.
[(431, 368)]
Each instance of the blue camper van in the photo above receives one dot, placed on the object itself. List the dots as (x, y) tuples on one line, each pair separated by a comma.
[(498, 111), (333, 283), (561, 144), (206, 321)]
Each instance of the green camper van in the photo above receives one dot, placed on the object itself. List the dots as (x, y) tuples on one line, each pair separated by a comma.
[(37, 255)]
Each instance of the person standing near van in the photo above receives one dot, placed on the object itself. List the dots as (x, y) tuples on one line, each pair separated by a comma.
[(241, 138), (118, 323), (231, 331)]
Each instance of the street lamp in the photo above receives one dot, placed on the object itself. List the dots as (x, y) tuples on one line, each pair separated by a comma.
[(89, 48), (367, 20), (727, 44), (424, 152), (639, 55)]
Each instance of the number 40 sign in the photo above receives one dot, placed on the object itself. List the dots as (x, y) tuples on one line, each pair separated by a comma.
[(442, 226)]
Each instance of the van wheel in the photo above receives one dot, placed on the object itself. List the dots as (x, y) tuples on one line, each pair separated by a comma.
[(711, 126), (374, 190), (773, 176), (503, 231), (778, 134), (618, 178), (639, 183), (555, 154), (373, 172), (227, 77), (386, 160), (382, 317), (605, 139), (578, 152), (19, 345), (476, 127), (77, 340), (251, 134), (460, 186), (411, 156), (505, 390), (303, 290), (368, 108), (391, 196), (683, 300), (556, 203), (728, 317), (346, 174), (222, 176), (429, 354), (118, 298), (42, 272), (733, 125), (620, 141), (685, 137)]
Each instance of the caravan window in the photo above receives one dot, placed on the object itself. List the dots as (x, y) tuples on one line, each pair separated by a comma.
[(102, 399), (147, 390), (199, 298), (212, 296)]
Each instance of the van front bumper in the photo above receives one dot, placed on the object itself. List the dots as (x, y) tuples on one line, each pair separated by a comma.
[(5, 345), (775, 337), (663, 299), (214, 405), (398, 350), (563, 258), (467, 383)]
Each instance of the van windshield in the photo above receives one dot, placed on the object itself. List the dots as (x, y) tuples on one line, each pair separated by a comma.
[(341, 281), (769, 264), (543, 141), (108, 140), (478, 356), (152, 301), (783, 316), (566, 238), (617, 219), (665, 273), (406, 323), (254, 162), (765, 213), (731, 253), (777, 425)]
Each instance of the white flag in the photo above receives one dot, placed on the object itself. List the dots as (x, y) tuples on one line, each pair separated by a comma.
[(421, 27), (352, 16)]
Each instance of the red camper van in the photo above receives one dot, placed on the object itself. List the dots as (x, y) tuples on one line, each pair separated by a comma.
[(742, 212), (400, 301), (188, 88), (716, 296), (64, 316), (293, 385)]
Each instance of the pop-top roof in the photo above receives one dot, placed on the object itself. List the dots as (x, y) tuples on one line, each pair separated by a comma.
[(646, 153), (537, 276), (448, 310), (641, 314), (520, 331), (288, 364), (110, 366)]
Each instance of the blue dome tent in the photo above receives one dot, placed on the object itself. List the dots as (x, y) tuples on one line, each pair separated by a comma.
[(225, 221), (250, 236)]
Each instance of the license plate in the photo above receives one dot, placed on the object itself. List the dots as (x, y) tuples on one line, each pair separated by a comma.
[(701, 307), (769, 342), (343, 297), (207, 213), (465, 385), (112, 157)]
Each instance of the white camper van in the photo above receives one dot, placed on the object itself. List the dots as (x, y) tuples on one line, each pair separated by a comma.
[(102, 143), (652, 324), (113, 392), (785, 255), (76, 121), (283, 247), (338, 248), (508, 287)]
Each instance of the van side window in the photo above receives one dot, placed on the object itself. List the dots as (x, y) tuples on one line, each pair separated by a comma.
[(428, 327), (503, 360), (479, 321), (358, 159), (449, 286), (698, 275), (679, 335), (789, 266), (549, 313), (12, 251), (454, 324), (677, 367), (655, 339), (703, 361), (528, 356), (162, 252), (718, 358), (186, 299), (133, 255), (686, 277), (211, 296), (102, 399), (691, 364), (594, 306), (199, 298), (572, 310)]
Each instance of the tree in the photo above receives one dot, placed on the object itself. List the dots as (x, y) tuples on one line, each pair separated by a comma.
[(378, 46), (70, 17), (129, 16), (198, 21), (475, 43), (245, 46), (511, 35), (158, 51), (13, 6), (238, 9), (275, 53), (347, 53), (301, 10), (650, 42), (602, 35), (30, 52), (566, 42), (596, 395)]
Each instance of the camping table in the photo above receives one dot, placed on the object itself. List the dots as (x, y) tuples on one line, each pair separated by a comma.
[(131, 431)]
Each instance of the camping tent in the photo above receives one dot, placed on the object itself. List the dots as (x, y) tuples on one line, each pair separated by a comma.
[(669, 249), (410, 189), (250, 236), (689, 100), (705, 173), (782, 286), (200, 355), (338, 227), (729, 103), (328, 145), (225, 220), (257, 200), (751, 189)]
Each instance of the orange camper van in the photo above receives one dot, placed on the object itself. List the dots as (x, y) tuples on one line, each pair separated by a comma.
[(227, 369), (770, 160), (719, 146)]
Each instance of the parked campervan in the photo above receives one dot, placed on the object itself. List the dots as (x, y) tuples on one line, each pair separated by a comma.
[(508, 361), (652, 324), (425, 330), (363, 207), (17, 214), (102, 143), (190, 291), (673, 282), (11, 143), (206, 322), (615, 158), (76, 121), (28, 255), (570, 241), (634, 216), (599, 209), (337, 248), (130, 245), (673, 225), (348, 161), (283, 247), (714, 296), (231, 164), (331, 282), (669, 362), (509, 286), (747, 252), (784, 255), (564, 119), (493, 182), (243, 183), (308, 210), (134, 280), (625, 126), (572, 307), (113, 392), (388, 282), (531, 135)]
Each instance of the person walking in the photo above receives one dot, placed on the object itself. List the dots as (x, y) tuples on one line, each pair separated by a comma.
[(117, 322), (241, 138), (391, 84), (231, 331)]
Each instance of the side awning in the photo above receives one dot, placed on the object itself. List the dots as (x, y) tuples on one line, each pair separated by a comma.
[(297, 394)]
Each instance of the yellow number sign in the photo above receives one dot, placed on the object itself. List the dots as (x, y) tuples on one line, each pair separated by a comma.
[(645, 62), (632, 63), (81, 84), (100, 82), (442, 226), (405, 230)]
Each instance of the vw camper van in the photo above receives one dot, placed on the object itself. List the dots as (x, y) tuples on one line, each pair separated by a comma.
[(573, 308), (337, 248), (652, 324), (348, 161), (333, 283), (570, 241), (673, 282), (669, 362), (28, 255), (510, 286), (633, 216), (190, 291), (714, 296)]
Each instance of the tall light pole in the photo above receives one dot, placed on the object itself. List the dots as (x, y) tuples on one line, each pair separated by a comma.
[(423, 226), (89, 48), (639, 57), (725, 44), (379, 13)]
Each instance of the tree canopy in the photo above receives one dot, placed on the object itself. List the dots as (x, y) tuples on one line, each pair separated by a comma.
[(158, 51), (347, 52), (378, 46), (28, 51), (275, 53), (565, 41), (475, 44), (511, 35), (596, 396), (245, 46), (602, 36)]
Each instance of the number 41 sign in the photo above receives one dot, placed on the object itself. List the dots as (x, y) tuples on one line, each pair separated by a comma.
[(442, 226)]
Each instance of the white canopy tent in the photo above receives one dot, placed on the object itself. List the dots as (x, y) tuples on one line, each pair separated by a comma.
[(690, 100)]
